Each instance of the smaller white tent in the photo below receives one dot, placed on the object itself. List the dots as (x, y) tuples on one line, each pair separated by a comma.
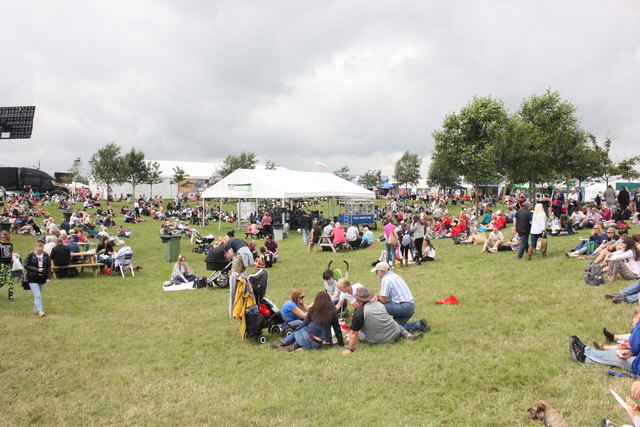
[(591, 191), (284, 184)]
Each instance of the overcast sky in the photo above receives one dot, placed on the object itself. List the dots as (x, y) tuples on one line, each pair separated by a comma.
[(343, 82)]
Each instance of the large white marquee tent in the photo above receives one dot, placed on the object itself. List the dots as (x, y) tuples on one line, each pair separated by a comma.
[(284, 184)]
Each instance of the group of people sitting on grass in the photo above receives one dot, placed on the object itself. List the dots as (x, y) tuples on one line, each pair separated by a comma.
[(380, 318)]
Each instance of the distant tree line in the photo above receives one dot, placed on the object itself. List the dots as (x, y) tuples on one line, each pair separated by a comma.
[(542, 142)]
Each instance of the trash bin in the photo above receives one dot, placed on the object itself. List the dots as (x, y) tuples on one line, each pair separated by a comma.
[(278, 234), (171, 247)]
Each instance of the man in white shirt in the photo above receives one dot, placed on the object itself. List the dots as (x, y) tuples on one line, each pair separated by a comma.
[(326, 231), (397, 298), (353, 237)]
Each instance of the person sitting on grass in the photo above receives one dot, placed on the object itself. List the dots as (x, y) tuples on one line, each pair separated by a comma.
[(182, 273), (625, 262), (511, 245), (576, 218), (272, 246), (372, 324), (609, 246), (625, 359), (429, 252), (495, 240), (331, 286), (597, 236), (316, 327), (622, 341), (295, 310), (397, 298), (347, 290)]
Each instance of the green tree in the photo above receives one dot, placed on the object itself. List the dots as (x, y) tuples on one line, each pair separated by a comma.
[(134, 169), (407, 169), (179, 176), (626, 168), (153, 175), (465, 140), (608, 168), (442, 175), (270, 165), (76, 171), (553, 136), (371, 178), (231, 163), (106, 166), (343, 172)]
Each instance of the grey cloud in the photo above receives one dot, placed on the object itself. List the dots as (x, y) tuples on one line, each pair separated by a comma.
[(341, 82)]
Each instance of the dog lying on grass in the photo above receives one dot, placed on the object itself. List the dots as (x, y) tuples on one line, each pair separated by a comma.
[(547, 414)]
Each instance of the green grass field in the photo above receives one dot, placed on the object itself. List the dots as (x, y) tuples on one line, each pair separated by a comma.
[(115, 351)]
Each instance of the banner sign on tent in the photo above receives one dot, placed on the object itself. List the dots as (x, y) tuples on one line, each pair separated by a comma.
[(240, 190)]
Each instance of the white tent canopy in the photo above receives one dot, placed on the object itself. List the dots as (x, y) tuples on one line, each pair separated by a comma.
[(284, 184), (591, 191)]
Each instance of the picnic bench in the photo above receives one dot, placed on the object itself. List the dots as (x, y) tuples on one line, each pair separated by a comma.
[(80, 260)]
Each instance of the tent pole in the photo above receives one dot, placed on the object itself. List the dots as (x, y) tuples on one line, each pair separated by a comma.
[(219, 213)]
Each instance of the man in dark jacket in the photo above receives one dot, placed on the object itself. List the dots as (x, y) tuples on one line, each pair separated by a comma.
[(305, 226), (38, 270), (61, 257), (522, 224)]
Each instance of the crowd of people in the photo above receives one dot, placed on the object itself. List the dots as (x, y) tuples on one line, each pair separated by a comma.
[(380, 318)]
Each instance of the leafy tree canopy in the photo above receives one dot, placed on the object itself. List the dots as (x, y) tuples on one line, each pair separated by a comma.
[(407, 169), (230, 163)]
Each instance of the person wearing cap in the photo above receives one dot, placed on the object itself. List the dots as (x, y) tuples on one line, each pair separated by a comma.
[(372, 324), (397, 298)]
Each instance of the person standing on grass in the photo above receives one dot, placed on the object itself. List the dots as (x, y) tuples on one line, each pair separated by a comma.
[(538, 227), (372, 324), (38, 271), (557, 201), (391, 241), (305, 227), (522, 224), (397, 298), (6, 260)]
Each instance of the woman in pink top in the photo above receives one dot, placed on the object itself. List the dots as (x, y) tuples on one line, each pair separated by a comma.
[(391, 236), (338, 234)]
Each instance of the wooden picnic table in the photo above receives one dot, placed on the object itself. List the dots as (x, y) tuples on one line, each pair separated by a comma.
[(80, 260), (326, 242)]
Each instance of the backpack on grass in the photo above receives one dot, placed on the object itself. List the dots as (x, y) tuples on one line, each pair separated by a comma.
[(593, 275)]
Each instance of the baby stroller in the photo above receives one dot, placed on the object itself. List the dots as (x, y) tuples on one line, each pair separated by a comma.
[(203, 243), (265, 314), (219, 265)]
